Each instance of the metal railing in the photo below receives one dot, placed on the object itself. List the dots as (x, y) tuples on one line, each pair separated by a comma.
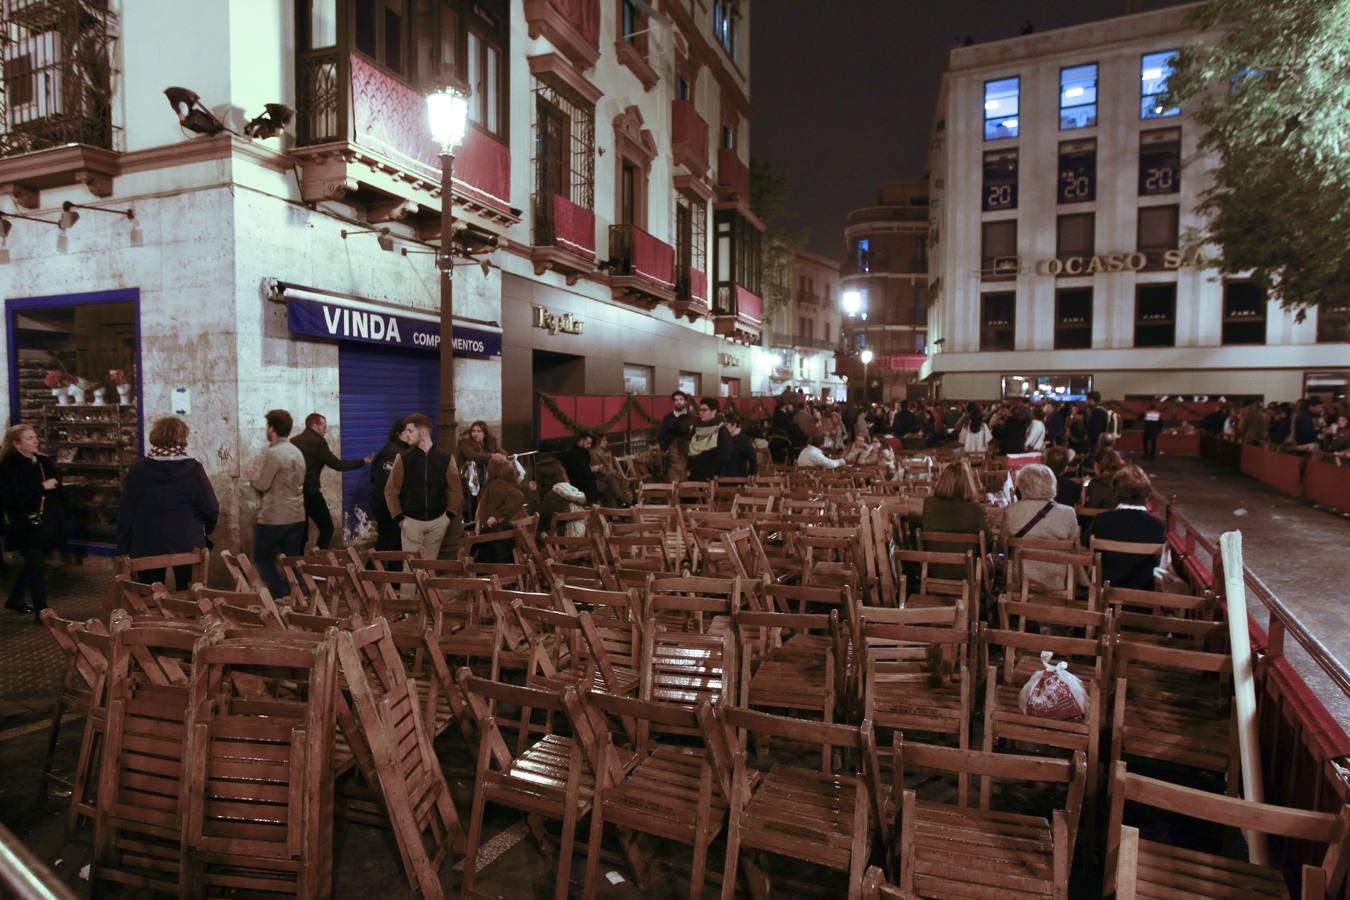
[(26, 876)]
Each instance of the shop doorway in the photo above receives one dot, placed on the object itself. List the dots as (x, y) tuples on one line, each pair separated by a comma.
[(559, 373), (74, 375)]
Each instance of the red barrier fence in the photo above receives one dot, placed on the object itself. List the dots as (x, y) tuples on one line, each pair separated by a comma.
[(1174, 444), (596, 410), (1282, 471), (1303, 747)]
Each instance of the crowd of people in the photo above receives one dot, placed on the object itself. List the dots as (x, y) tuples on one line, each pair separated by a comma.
[(423, 494)]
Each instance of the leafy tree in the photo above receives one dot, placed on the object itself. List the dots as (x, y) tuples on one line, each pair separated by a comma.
[(771, 191), (1272, 81)]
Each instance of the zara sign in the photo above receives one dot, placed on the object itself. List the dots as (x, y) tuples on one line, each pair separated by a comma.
[(1117, 262)]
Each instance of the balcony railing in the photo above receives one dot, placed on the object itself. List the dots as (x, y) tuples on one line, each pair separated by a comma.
[(733, 176), (573, 26), (689, 136), (345, 98), (57, 75), (558, 222), (888, 215), (636, 254)]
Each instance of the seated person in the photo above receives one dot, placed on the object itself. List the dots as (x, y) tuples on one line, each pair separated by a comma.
[(1129, 521), (812, 457), (1037, 515), (1099, 494), (954, 507), (1067, 490)]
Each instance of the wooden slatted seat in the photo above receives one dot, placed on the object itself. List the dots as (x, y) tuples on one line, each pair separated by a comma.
[(331, 590), (954, 850), (599, 577), (80, 682), (1139, 867), (244, 608), (553, 777), (1174, 705), (132, 567), (825, 818), (692, 603), (673, 791), (576, 655)]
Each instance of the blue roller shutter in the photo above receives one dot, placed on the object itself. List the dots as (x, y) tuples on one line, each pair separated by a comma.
[(377, 386)]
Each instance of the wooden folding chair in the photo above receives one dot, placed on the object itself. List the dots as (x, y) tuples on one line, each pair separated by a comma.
[(692, 603), (656, 494), (135, 597), (553, 777), (411, 784), (332, 590), (133, 566), (1139, 867), (1128, 548), (673, 791), (1175, 705), (235, 606), (960, 542), (85, 646), (259, 801), (139, 818), (599, 577), (952, 850), (824, 818)]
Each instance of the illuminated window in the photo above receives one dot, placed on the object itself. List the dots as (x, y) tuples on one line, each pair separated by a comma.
[(1000, 180), (1154, 70), (1078, 97), (1077, 172), (1000, 108), (1160, 162)]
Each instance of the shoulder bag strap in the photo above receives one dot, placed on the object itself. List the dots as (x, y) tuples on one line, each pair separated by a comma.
[(1040, 514)]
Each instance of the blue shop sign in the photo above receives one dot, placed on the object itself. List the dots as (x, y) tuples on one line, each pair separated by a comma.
[(345, 323)]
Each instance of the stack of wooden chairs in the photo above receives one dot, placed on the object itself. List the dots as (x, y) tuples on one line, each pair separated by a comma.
[(753, 671)]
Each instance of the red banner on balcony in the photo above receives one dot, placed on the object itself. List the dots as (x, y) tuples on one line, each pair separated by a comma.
[(749, 306), (900, 362), (389, 117), (689, 133), (583, 15), (733, 174), (573, 227), (653, 260), (698, 285)]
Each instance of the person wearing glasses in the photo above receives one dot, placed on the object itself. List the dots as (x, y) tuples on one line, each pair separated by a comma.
[(711, 446)]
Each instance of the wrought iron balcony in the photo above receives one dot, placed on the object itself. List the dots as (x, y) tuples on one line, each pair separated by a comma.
[(691, 293)]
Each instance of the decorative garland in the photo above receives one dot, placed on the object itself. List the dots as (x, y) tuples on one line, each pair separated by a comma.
[(631, 404)]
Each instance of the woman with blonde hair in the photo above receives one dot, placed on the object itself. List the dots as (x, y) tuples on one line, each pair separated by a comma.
[(32, 503), (168, 504), (954, 507), (1037, 515)]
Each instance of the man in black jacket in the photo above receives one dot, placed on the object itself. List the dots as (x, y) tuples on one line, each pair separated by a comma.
[(424, 492), (401, 437), (313, 446), (581, 469), (1097, 421), (744, 459), (673, 436)]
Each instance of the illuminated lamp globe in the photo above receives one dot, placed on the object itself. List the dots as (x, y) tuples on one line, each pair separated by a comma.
[(866, 357), (448, 115), (851, 302)]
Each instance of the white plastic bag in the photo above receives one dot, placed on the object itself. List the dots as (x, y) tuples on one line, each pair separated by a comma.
[(1054, 692)]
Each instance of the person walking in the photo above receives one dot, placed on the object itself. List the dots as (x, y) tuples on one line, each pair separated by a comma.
[(168, 504), (32, 503), (281, 523), (424, 492), (313, 446), (387, 532), (1152, 428), (677, 426)]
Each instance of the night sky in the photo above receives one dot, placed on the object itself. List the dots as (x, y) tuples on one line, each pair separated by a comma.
[(843, 91)]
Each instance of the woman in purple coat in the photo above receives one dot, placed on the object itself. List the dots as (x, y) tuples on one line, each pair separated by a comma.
[(168, 505)]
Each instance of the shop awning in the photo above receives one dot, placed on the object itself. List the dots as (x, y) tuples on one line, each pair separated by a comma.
[(334, 315)]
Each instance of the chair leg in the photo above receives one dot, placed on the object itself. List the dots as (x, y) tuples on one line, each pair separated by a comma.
[(698, 875), (569, 836), (733, 855), (471, 845), (52, 737), (593, 848)]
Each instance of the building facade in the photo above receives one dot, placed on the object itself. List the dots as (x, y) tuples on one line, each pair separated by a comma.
[(885, 286), (603, 180), (1064, 189), (802, 334)]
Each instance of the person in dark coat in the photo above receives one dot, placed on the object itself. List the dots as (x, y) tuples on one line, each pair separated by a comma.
[(168, 504), (1067, 491), (500, 501), (1014, 436), (474, 450), (581, 468), (710, 448), (1129, 521), (32, 502), (313, 446), (954, 507), (744, 459), (1097, 421), (387, 531)]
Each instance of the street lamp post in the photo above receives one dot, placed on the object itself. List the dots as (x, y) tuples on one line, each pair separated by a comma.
[(866, 357), (447, 114)]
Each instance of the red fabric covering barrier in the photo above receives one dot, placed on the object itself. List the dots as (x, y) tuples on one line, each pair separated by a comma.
[(749, 305), (698, 285), (483, 168), (733, 173), (1175, 444), (573, 227), (653, 260), (583, 15), (689, 130), (1327, 484), (1282, 471)]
